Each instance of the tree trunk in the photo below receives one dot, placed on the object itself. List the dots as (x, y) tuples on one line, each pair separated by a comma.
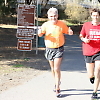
[(44, 8), (28, 2)]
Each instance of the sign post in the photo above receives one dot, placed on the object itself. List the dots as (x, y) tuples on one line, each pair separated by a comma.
[(24, 45), (26, 14), (25, 29), (25, 33)]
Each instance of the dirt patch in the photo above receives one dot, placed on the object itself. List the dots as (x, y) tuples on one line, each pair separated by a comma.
[(16, 71)]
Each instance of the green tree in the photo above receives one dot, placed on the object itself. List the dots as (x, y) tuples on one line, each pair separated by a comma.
[(7, 10), (44, 5), (76, 12)]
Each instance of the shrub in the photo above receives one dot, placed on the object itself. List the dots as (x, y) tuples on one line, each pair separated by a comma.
[(76, 12)]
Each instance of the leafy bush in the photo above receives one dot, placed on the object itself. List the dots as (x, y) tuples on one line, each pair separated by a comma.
[(76, 12)]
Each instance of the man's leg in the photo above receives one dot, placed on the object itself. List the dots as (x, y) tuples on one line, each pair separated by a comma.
[(57, 64), (52, 67), (97, 75), (90, 71)]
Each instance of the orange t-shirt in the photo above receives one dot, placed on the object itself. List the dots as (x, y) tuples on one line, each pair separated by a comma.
[(54, 34)]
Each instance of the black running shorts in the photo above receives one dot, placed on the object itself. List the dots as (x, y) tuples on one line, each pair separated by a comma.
[(52, 53), (93, 58)]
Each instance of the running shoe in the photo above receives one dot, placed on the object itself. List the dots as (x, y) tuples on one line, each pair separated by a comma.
[(58, 94), (92, 80), (94, 95), (55, 87)]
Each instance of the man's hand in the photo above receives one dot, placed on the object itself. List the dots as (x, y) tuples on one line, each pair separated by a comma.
[(85, 39), (40, 32), (70, 32)]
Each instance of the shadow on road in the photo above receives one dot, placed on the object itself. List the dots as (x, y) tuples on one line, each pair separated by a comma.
[(73, 59)]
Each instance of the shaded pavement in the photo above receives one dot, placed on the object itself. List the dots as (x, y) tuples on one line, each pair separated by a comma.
[(75, 84)]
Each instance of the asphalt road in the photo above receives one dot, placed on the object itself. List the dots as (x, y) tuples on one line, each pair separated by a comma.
[(75, 84)]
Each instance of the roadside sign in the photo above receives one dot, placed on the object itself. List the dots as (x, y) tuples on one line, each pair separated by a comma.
[(25, 16), (25, 33), (24, 45)]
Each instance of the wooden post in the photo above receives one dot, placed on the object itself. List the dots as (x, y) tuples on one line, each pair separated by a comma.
[(24, 54)]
